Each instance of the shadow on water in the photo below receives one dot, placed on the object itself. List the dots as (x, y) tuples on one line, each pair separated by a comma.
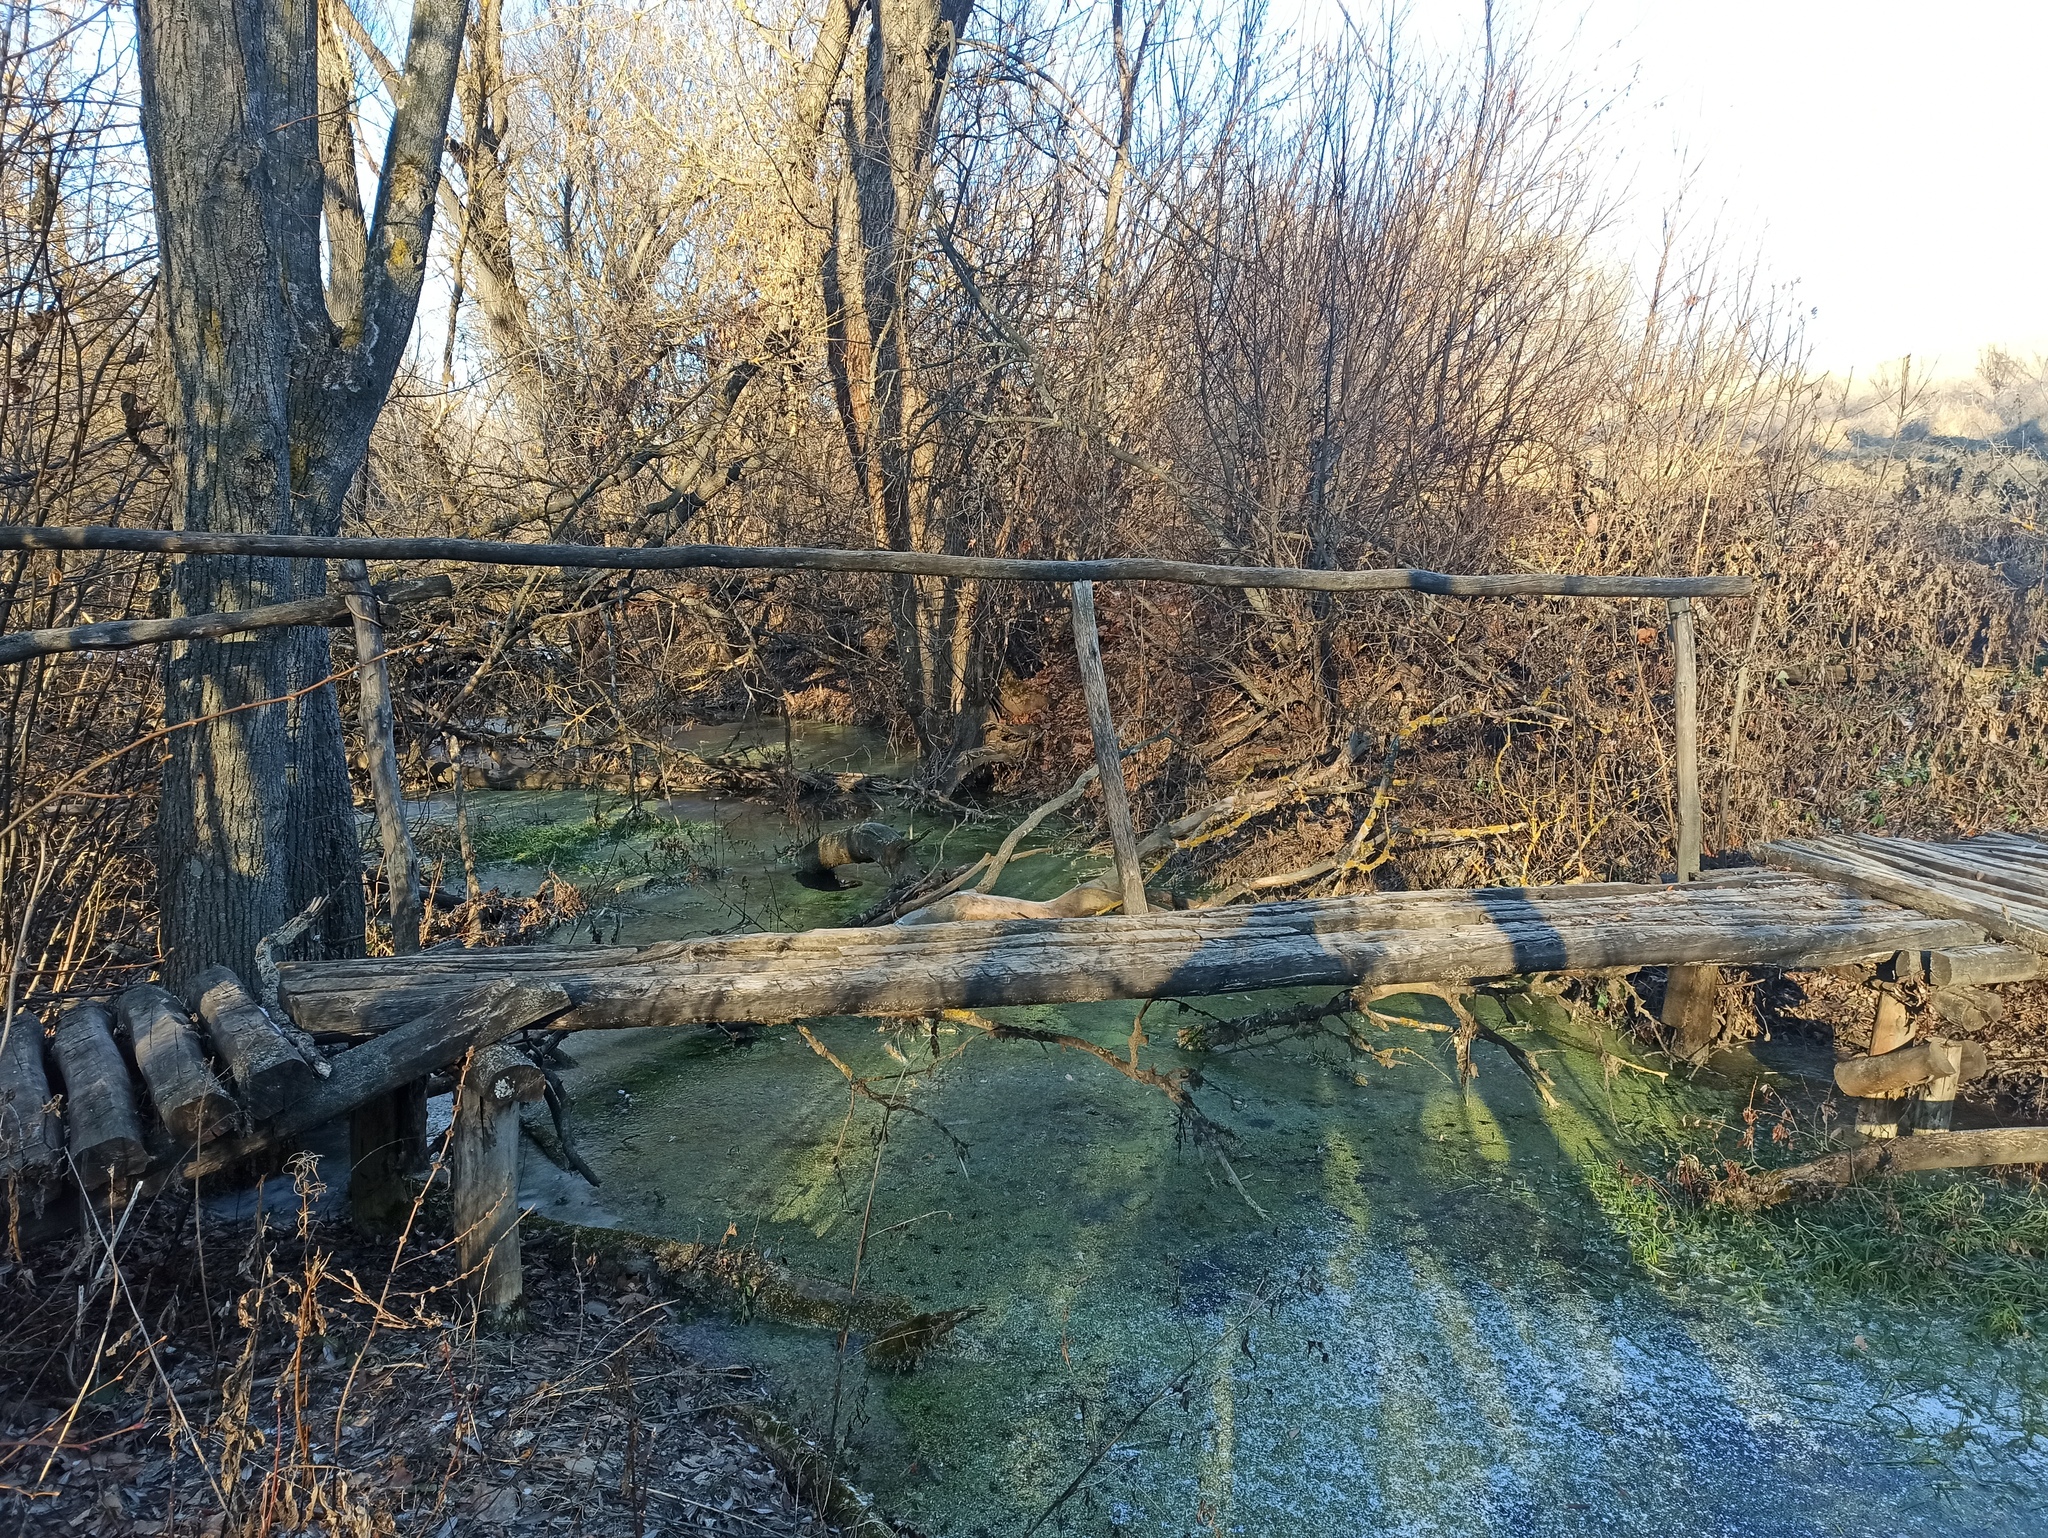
[(1432, 1329)]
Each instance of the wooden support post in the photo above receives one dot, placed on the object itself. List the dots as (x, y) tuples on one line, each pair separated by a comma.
[(486, 1171), (268, 1072), (387, 1137), (192, 1103), (1108, 750), (1690, 993), (1685, 704), (104, 1133), (1878, 1115), (387, 1146), (31, 1138), (1935, 1107), (373, 679)]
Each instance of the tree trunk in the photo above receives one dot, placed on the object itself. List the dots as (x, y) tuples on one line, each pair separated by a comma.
[(278, 363)]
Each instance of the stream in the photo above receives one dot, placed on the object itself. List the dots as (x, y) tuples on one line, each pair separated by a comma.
[(1413, 1315)]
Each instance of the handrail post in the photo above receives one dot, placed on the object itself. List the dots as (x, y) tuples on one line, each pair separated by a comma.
[(1108, 750), (1691, 993), (1685, 701)]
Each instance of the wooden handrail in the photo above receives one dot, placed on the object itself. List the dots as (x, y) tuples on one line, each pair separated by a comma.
[(916, 563)]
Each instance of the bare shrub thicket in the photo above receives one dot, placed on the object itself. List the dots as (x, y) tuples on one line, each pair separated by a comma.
[(1113, 278), (79, 443)]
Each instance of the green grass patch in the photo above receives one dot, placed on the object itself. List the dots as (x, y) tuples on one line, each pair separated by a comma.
[(541, 843), (1969, 1243)]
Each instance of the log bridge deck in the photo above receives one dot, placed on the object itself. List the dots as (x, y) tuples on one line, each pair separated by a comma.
[(206, 1095)]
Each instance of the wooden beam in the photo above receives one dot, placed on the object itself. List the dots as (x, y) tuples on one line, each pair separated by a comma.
[(1533, 584), (1685, 706), (100, 1125), (1929, 1151), (1895, 1072), (1109, 764), (469, 1014), (121, 634), (1977, 965), (484, 1174), (1766, 919)]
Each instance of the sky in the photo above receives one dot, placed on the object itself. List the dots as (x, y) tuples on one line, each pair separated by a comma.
[(1886, 156)]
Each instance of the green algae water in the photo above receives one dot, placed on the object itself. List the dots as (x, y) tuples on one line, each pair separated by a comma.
[(1407, 1306)]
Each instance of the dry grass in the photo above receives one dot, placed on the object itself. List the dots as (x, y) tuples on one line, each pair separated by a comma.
[(201, 1377)]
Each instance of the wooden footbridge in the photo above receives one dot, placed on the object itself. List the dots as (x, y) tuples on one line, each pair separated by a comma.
[(150, 1086)]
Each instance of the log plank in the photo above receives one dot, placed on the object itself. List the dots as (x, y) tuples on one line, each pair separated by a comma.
[(31, 1136), (190, 1101), (267, 1070), (2021, 923), (101, 1126), (1977, 965), (768, 979)]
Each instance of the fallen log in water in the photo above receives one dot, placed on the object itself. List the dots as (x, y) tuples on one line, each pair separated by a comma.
[(1764, 919), (1888, 1156)]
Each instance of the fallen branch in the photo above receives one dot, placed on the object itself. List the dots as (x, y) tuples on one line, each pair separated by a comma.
[(1176, 1085), (1744, 1192)]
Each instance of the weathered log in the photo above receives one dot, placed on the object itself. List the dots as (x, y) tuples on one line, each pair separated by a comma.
[(31, 1136), (1930, 1151), (1896, 1072), (1977, 965), (485, 1171), (190, 1101), (1898, 881), (472, 1014), (867, 843), (916, 563), (100, 1123), (1770, 920), (1970, 1010), (268, 1072), (121, 634)]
